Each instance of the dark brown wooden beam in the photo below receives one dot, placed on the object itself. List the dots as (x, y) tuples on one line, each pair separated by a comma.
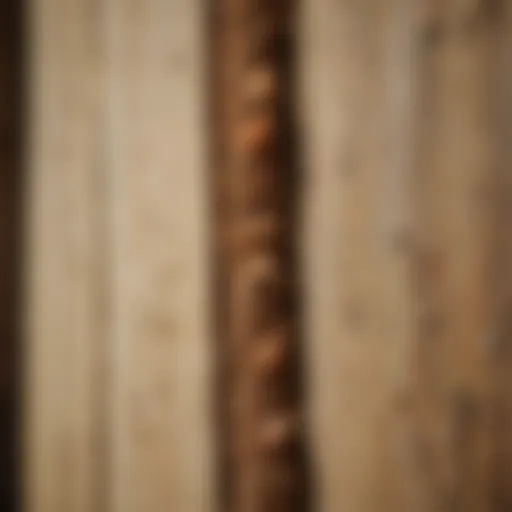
[(256, 182)]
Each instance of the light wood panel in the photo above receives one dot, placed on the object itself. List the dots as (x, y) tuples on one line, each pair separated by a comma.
[(64, 295), (401, 103), (118, 413), (161, 389)]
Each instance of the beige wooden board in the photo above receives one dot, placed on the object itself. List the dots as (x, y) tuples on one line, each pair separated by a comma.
[(117, 377), (401, 128), (161, 389), (64, 291)]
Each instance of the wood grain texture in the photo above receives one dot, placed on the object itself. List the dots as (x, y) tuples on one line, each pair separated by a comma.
[(117, 383), (161, 390), (406, 111), (256, 181)]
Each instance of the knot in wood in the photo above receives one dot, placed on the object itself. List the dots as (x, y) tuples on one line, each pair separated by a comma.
[(263, 269), (279, 431), (261, 85), (271, 352), (257, 134)]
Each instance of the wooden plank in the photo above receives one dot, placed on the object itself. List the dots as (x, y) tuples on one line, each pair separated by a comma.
[(400, 113), (161, 425), (257, 179), (357, 185), (458, 160), (117, 389), (64, 244)]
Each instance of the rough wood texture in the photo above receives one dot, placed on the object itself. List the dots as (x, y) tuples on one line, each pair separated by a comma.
[(257, 179), (407, 109)]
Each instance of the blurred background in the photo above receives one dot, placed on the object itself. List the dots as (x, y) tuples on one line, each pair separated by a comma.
[(255, 256)]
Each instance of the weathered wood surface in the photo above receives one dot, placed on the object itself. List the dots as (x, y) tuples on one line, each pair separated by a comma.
[(117, 382), (407, 114), (256, 179)]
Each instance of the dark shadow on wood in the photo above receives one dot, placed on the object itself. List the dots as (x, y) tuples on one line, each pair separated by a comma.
[(11, 64)]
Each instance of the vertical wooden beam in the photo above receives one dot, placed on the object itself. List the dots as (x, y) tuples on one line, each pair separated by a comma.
[(258, 183), (458, 293), (158, 259), (358, 84), (405, 109), (64, 247), (117, 384)]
